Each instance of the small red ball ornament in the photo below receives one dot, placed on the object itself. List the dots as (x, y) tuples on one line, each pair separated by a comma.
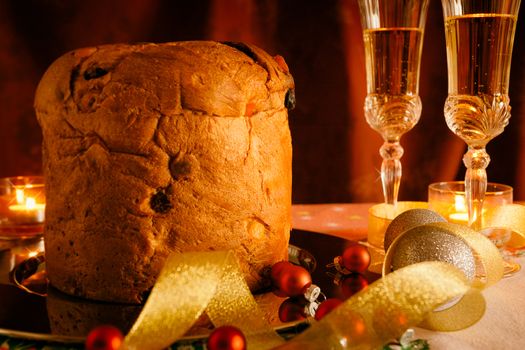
[(326, 306), (292, 310), (276, 292), (294, 280), (226, 338), (277, 269), (356, 258), (352, 284), (104, 337)]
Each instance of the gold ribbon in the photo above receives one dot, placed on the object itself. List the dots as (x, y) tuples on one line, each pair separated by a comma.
[(468, 309), (192, 283), (386, 308)]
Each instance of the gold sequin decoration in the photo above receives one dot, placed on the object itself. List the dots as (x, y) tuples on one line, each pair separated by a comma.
[(189, 284), (488, 254), (193, 282), (469, 308), (430, 243)]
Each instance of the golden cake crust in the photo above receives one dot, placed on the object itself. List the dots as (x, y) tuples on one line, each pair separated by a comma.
[(158, 148)]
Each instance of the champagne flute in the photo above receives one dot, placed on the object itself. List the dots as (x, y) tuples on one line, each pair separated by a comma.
[(479, 37), (393, 36)]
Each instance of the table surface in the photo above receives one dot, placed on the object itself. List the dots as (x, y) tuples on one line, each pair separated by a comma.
[(502, 326)]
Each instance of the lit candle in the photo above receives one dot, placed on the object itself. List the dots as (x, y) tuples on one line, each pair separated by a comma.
[(448, 199), (460, 214), (26, 211), (22, 207)]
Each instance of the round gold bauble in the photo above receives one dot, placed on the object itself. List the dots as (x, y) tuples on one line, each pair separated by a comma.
[(431, 243), (408, 220)]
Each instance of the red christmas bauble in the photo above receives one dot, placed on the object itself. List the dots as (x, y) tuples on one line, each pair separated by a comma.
[(352, 284), (277, 269), (104, 337), (326, 306), (226, 338), (356, 258), (294, 280), (292, 310), (277, 292)]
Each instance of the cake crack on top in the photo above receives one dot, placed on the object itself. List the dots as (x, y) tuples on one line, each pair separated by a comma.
[(94, 72), (75, 72), (250, 130), (242, 47)]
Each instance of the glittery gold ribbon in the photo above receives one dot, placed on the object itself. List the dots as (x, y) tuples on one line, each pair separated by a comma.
[(469, 308), (385, 309), (211, 282), (489, 265), (190, 284)]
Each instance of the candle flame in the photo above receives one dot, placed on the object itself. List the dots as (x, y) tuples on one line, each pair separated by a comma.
[(20, 195), (459, 203), (30, 203), (460, 215)]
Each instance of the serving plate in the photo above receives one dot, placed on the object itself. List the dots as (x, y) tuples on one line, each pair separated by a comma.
[(30, 309)]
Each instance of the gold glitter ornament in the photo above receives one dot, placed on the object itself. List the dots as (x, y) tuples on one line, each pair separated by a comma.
[(431, 243), (488, 257), (407, 220), (488, 270)]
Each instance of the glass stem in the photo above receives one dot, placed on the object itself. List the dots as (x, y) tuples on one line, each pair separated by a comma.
[(476, 160), (391, 151)]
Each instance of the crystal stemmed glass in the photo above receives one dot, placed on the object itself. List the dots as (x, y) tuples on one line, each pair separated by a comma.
[(393, 36), (479, 37)]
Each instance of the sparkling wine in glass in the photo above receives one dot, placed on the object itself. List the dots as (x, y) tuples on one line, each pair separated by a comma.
[(479, 38), (393, 36)]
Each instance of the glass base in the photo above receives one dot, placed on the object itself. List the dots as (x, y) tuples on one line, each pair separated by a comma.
[(500, 238), (15, 232)]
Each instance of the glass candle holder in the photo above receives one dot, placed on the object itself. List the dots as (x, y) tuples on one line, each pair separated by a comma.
[(448, 199), (15, 252), (379, 217), (22, 207)]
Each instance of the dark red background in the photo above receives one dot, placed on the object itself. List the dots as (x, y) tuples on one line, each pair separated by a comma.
[(335, 152)]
